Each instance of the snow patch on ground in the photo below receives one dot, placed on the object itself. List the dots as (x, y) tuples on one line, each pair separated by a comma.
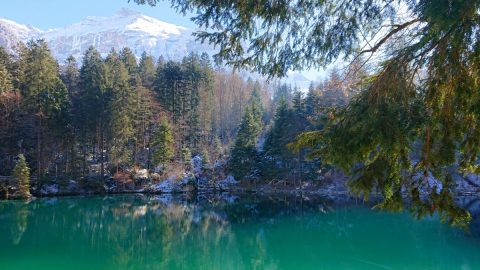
[(49, 189)]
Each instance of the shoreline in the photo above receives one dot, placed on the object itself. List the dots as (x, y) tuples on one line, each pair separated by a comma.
[(322, 192)]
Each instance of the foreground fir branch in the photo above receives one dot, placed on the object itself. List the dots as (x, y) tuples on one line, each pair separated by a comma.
[(423, 96)]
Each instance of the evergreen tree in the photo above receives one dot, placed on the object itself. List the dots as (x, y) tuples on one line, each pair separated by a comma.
[(244, 153), (9, 120), (46, 98), (163, 144), (205, 159), (279, 161), (21, 173), (257, 107), (130, 62), (18, 63), (298, 102), (71, 75), (120, 122), (5, 80), (275, 141), (91, 108), (6, 60), (186, 158), (146, 70), (311, 101), (284, 91), (168, 84), (143, 117)]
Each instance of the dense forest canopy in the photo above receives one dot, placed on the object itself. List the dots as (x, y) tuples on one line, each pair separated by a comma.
[(417, 116), (115, 112)]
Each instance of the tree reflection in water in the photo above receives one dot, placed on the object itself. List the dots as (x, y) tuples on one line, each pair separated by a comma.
[(223, 232)]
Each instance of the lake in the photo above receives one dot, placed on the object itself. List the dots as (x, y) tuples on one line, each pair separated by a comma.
[(224, 232)]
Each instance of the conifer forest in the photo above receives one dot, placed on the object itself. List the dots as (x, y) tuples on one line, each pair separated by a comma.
[(240, 134)]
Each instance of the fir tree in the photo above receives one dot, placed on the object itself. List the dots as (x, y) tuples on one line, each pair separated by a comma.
[(186, 157), (256, 105), (45, 96), (91, 107), (5, 80), (205, 159), (130, 63), (275, 141), (146, 70), (311, 101), (163, 145), (120, 123), (298, 102), (70, 75), (143, 116), (21, 173), (244, 153)]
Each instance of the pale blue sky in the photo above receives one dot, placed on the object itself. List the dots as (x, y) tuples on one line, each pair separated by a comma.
[(47, 14)]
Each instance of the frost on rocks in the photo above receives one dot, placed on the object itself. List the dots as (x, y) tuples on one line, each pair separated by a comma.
[(49, 189), (72, 186), (166, 186), (197, 164), (227, 183), (141, 174)]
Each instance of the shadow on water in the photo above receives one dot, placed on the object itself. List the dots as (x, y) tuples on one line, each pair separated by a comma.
[(224, 232)]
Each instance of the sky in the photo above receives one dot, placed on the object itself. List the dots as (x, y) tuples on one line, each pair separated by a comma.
[(48, 14)]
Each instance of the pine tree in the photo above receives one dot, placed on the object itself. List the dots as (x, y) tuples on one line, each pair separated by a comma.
[(21, 173), (163, 144)]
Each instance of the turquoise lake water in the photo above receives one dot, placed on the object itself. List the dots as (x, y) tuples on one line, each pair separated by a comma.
[(161, 232)]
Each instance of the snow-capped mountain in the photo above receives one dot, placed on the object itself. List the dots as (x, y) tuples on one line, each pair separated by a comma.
[(11, 33), (124, 29)]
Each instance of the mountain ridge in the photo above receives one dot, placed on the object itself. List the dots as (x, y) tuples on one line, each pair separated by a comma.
[(126, 28)]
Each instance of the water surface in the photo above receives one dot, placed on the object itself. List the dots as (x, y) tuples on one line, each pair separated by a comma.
[(223, 232)]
